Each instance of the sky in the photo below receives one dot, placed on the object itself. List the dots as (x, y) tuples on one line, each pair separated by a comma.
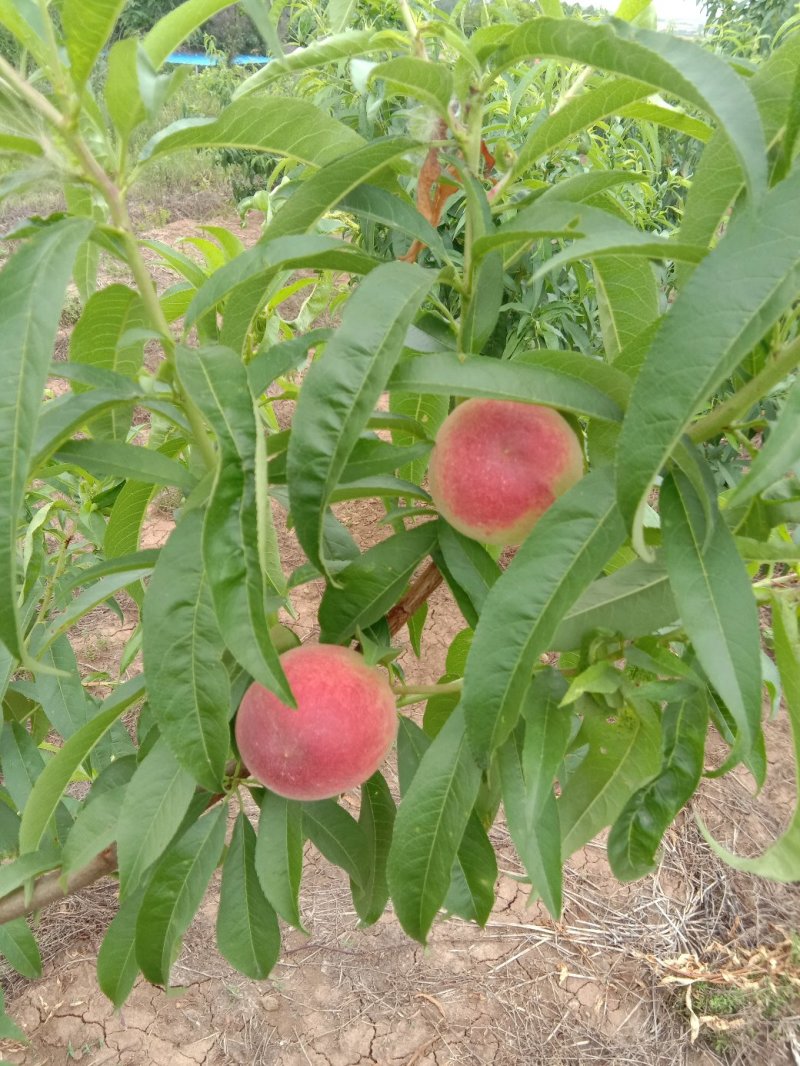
[(667, 10)]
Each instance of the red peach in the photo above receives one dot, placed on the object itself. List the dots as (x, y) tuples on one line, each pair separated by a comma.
[(498, 465), (343, 727)]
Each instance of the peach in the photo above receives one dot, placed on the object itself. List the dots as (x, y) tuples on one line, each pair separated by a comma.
[(497, 466), (343, 727)]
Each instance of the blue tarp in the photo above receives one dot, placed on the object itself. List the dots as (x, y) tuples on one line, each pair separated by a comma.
[(200, 59)]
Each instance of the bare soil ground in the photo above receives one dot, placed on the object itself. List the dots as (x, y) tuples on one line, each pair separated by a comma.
[(669, 970)]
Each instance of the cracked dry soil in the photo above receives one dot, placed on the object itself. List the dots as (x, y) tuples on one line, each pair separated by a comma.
[(524, 991)]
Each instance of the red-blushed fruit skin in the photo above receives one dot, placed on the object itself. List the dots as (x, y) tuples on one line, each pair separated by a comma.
[(343, 727), (497, 466)]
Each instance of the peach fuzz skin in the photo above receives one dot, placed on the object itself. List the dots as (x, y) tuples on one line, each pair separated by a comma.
[(343, 727), (497, 466)]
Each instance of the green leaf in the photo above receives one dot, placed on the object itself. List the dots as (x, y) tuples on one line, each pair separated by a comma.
[(21, 760), (339, 837), (278, 360), (670, 118), (61, 693), (376, 819), (319, 53), (527, 776), (323, 190), (578, 114), (265, 258), (627, 299), (471, 894), (122, 91), (19, 948), (217, 381), (117, 968), (88, 599), (469, 565), (87, 28), (715, 599), (277, 125), (429, 828), (379, 205), (279, 855), (445, 373), (633, 601), (53, 780), (187, 681), (737, 293), (592, 231), (340, 392), (156, 801), (247, 928), (26, 20), (622, 756), (718, 176), (177, 25), (109, 458), (94, 829), (777, 456), (127, 516), (430, 83), (637, 832), (174, 893), (564, 553), (366, 588), (781, 860), (14, 874), (32, 286), (69, 413), (96, 341), (677, 66)]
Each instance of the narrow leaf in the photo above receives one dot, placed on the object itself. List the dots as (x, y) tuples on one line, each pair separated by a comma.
[(117, 968), (339, 837), (622, 756), (19, 948), (564, 553), (32, 286), (53, 780), (376, 818), (279, 855), (87, 28), (445, 373), (217, 381), (155, 803), (187, 681), (278, 125), (174, 894), (247, 928), (777, 456), (637, 832), (429, 828), (738, 292), (716, 603), (366, 588), (340, 392)]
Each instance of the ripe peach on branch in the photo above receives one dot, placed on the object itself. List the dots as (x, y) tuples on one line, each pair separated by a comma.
[(337, 737), (499, 464)]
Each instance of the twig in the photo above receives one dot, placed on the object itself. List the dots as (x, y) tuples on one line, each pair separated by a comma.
[(429, 580), (51, 887)]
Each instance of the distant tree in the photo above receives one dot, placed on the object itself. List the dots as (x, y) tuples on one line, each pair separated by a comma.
[(756, 21)]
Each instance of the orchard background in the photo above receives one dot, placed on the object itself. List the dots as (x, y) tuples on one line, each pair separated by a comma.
[(215, 434)]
